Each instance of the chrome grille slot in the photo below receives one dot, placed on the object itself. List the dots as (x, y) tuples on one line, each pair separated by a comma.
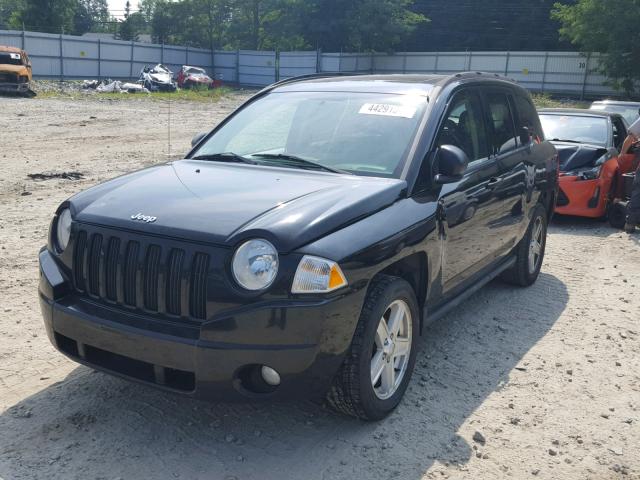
[(198, 286), (174, 274), (111, 268), (150, 278), (93, 264), (129, 272)]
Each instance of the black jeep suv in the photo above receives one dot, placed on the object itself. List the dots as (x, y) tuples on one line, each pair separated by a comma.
[(302, 245)]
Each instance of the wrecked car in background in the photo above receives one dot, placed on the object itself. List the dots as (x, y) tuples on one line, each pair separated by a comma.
[(157, 79), (15, 71), (189, 77), (591, 167), (629, 110)]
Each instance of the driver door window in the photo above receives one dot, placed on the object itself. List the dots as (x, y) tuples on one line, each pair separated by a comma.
[(464, 127)]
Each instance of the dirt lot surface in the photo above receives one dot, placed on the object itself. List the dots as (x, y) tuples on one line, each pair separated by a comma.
[(548, 377)]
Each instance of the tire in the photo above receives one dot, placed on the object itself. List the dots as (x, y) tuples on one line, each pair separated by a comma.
[(353, 391), (525, 272), (618, 215)]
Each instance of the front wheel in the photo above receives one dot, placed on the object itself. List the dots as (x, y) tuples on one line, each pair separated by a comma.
[(378, 366), (530, 251)]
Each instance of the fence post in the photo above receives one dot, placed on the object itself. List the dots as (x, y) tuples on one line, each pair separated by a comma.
[(404, 62), (318, 60), (186, 50), (131, 62), (61, 60), (162, 52), (276, 65), (22, 39), (238, 66), (544, 69), (506, 66), (99, 60), (373, 62), (435, 65), (469, 61), (584, 78)]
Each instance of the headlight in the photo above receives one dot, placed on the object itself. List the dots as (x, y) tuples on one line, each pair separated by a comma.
[(255, 264), (317, 275), (63, 229), (591, 173)]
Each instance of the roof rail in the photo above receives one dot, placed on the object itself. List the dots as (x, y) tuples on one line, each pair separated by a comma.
[(311, 76)]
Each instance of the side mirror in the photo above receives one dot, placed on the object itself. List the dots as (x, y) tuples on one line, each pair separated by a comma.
[(196, 139), (452, 163), (525, 136)]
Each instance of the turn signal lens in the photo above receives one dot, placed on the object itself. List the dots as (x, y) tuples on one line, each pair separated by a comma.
[(318, 275)]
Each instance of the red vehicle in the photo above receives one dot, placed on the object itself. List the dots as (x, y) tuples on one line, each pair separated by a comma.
[(591, 168), (189, 77)]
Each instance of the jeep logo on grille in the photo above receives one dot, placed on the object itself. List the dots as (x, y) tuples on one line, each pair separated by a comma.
[(143, 218)]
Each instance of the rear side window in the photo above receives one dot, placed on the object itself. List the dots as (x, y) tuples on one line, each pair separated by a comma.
[(528, 117), (464, 126), (619, 132), (502, 135)]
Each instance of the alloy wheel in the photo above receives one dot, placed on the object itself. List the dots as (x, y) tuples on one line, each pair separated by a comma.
[(536, 245), (392, 349)]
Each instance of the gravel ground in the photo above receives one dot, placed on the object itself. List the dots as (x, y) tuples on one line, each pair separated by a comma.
[(515, 383)]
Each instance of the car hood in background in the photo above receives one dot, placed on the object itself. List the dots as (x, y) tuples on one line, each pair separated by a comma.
[(579, 155), (225, 203)]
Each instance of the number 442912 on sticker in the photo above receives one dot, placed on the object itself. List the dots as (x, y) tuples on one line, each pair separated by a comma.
[(388, 110)]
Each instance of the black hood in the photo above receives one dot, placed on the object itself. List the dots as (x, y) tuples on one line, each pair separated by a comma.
[(578, 155), (226, 203)]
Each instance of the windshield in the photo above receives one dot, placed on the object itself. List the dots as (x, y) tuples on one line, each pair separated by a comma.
[(361, 133), (195, 71), (575, 128), (630, 113), (7, 58)]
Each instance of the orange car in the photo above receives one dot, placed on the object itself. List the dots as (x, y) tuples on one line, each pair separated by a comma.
[(591, 168), (15, 71)]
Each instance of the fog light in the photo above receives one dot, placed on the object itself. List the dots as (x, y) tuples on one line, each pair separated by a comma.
[(270, 376)]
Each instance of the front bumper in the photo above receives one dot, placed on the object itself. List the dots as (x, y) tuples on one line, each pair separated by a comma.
[(304, 341), (14, 87), (583, 198)]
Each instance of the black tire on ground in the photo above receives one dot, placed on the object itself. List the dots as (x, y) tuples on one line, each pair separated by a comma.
[(618, 215), (352, 392), (521, 273)]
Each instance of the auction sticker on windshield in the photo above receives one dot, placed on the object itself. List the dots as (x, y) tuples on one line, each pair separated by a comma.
[(388, 110)]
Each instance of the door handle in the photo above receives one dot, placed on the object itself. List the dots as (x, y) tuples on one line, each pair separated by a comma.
[(494, 182)]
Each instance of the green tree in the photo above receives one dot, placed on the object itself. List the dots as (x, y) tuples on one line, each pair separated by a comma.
[(53, 16), (132, 26), (610, 27)]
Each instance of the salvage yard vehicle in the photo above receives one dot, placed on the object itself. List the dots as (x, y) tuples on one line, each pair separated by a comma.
[(15, 71), (189, 77), (157, 79), (588, 143), (302, 246), (629, 110)]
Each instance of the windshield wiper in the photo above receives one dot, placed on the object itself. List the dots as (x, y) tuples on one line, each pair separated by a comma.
[(224, 157), (565, 140), (301, 162)]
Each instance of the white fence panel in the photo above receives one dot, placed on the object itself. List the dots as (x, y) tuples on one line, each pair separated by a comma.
[(330, 62), (256, 68), (225, 66), (294, 64), (67, 56), (421, 62)]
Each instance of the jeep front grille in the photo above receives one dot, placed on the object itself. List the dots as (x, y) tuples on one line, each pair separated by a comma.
[(140, 274)]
